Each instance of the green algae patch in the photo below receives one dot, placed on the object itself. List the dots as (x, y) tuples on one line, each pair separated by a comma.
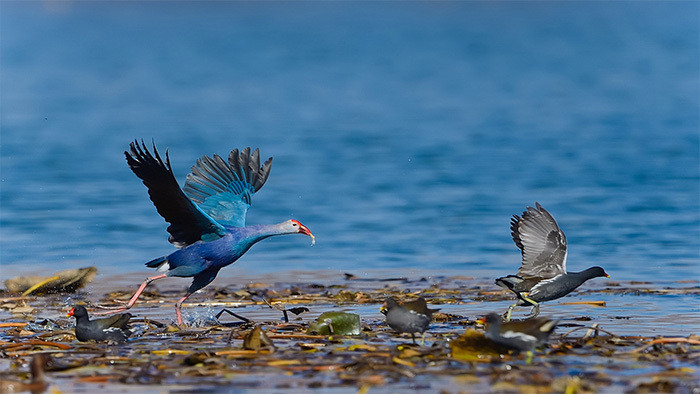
[(336, 323)]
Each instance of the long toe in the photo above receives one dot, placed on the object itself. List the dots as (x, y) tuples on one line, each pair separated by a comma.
[(534, 311)]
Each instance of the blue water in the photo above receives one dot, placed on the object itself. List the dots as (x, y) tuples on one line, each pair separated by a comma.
[(405, 135)]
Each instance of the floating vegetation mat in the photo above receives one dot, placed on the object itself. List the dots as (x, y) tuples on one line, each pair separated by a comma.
[(257, 337)]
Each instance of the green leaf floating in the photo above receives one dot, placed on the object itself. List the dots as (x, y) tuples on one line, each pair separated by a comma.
[(336, 323)]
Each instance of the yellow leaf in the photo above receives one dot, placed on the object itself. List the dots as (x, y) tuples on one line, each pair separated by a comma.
[(279, 363), (361, 346), (592, 303), (402, 362), (169, 351), (409, 352)]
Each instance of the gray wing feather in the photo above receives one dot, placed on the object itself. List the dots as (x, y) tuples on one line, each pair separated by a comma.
[(542, 243)]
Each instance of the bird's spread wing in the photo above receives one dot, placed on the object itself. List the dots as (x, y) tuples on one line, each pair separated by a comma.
[(542, 243), (223, 189), (188, 223)]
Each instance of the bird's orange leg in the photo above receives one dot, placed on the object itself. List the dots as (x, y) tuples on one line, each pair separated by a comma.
[(178, 305), (135, 297)]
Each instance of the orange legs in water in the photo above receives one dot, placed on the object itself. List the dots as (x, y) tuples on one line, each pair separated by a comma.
[(177, 308), (136, 296)]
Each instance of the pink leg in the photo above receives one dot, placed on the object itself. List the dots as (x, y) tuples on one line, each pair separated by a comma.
[(178, 306), (135, 297)]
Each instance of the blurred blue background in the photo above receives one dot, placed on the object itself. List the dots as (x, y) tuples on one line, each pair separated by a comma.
[(405, 135)]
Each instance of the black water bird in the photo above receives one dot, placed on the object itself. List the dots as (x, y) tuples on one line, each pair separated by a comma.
[(542, 275), (110, 329), (409, 317), (519, 336)]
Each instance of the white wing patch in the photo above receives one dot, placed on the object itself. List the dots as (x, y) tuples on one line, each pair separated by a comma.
[(545, 282), (164, 266), (563, 262), (414, 312), (548, 326), (518, 335)]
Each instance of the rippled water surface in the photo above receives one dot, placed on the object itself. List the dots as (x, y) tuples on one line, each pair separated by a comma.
[(405, 135)]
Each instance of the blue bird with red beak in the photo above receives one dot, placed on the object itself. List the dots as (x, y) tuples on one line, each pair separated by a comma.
[(207, 216)]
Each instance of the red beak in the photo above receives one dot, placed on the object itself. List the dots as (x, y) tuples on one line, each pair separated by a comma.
[(70, 313), (305, 230)]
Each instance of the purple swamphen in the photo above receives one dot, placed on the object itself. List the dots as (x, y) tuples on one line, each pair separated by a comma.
[(542, 275), (207, 216)]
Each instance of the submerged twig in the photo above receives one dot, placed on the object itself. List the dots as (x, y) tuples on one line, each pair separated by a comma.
[(593, 327), (282, 308), (36, 342), (244, 319), (6, 325), (663, 341)]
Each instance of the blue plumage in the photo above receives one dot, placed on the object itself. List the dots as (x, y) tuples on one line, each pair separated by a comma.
[(207, 218)]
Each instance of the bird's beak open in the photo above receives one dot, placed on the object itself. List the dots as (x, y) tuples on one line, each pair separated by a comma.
[(70, 313), (305, 230), (383, 310)]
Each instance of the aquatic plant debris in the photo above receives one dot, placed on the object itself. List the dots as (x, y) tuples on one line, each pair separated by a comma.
[(336, 323), (262, 352), (67, 281)]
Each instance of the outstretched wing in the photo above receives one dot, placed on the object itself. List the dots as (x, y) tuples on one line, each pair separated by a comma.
[(542, 243), (223, 189), (188, 223)]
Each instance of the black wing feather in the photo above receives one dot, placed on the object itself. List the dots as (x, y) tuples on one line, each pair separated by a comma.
[(188, 224)]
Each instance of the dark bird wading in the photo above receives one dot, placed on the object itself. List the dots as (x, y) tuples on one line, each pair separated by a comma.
[(111, 329), (411, 316), (523, 335), (207, 216), (542, 276)]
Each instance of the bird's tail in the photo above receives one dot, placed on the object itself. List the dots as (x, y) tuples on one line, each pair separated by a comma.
[(549, 326), (161, 263), (509, 282)]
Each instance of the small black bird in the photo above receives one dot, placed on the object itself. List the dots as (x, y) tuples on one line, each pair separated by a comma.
[(111, 329), (411, 317), (542, 276), (520, 336)]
